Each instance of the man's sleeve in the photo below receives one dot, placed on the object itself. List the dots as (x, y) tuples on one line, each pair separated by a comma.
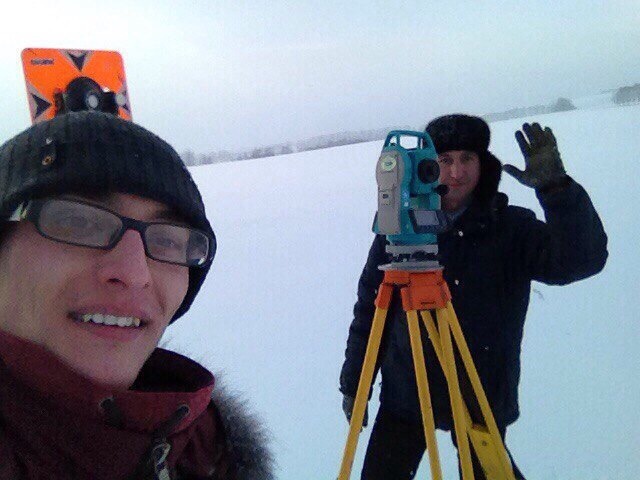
[(570, 246), (362, 317)]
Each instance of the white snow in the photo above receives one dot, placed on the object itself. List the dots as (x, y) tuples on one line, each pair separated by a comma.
[(294, 232)]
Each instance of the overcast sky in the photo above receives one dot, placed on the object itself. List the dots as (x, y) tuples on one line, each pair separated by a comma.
[(233, 74)]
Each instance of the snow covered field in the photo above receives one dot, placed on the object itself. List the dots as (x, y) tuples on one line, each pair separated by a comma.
[(293, 234)]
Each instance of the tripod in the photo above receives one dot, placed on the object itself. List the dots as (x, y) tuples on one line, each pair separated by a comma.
[(424, 290)]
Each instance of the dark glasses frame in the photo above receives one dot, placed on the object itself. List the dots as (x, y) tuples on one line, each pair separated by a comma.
[(32, 209)]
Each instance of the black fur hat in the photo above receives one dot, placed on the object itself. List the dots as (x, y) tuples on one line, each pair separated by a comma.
[(465, 132), (97, 153)]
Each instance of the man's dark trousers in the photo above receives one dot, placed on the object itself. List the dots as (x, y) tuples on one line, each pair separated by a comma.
[(397, 446)]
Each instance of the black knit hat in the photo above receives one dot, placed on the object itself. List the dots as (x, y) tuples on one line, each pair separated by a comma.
[(98, 153), (465, 132)]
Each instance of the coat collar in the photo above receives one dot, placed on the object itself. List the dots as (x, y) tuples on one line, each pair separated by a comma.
[(480, 217), (54, 423), (167, 381)]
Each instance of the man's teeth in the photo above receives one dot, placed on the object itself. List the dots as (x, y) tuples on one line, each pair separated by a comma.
[(111, 320)]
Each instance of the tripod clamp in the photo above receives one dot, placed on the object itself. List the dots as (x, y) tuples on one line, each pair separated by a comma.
[(412, 257)]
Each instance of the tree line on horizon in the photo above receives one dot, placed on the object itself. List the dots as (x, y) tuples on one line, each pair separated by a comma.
[(313, 143), (627, 95), (622, 96)]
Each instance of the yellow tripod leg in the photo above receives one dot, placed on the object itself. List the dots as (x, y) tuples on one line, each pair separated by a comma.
[(487, 441), (437, 346), (362, 395), (457, 404), (489, 448), (424, 395), (430, 325)]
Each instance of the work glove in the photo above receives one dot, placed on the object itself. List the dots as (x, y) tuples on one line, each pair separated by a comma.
[(543, 167), (347, 408)]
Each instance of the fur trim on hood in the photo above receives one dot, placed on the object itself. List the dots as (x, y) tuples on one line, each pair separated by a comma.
[(247, 437)]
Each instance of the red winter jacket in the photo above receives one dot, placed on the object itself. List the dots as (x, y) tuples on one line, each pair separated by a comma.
[(56, 424)]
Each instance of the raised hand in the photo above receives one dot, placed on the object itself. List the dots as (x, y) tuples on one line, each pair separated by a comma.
[(543, 166)]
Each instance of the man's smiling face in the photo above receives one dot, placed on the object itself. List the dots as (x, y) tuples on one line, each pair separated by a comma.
[(460, 171), (63, 296)]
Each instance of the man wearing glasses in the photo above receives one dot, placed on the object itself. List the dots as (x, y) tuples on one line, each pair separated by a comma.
[(104, 242)]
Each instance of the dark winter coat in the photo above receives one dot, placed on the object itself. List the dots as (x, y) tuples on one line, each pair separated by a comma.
[(490, 257), (57, 425)]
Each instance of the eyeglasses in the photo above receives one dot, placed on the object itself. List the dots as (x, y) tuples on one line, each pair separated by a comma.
[(83, 224)]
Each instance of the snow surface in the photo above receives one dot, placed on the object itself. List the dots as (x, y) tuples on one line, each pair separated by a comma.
[(294, 232)]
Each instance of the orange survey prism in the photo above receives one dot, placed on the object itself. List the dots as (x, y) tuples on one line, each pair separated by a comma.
[(60, 80)]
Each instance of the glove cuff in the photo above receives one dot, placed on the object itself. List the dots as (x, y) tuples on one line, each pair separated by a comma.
[(555, 185)]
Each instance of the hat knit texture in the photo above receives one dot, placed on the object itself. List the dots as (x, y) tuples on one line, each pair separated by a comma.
[(459, 131), (97, 153)]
